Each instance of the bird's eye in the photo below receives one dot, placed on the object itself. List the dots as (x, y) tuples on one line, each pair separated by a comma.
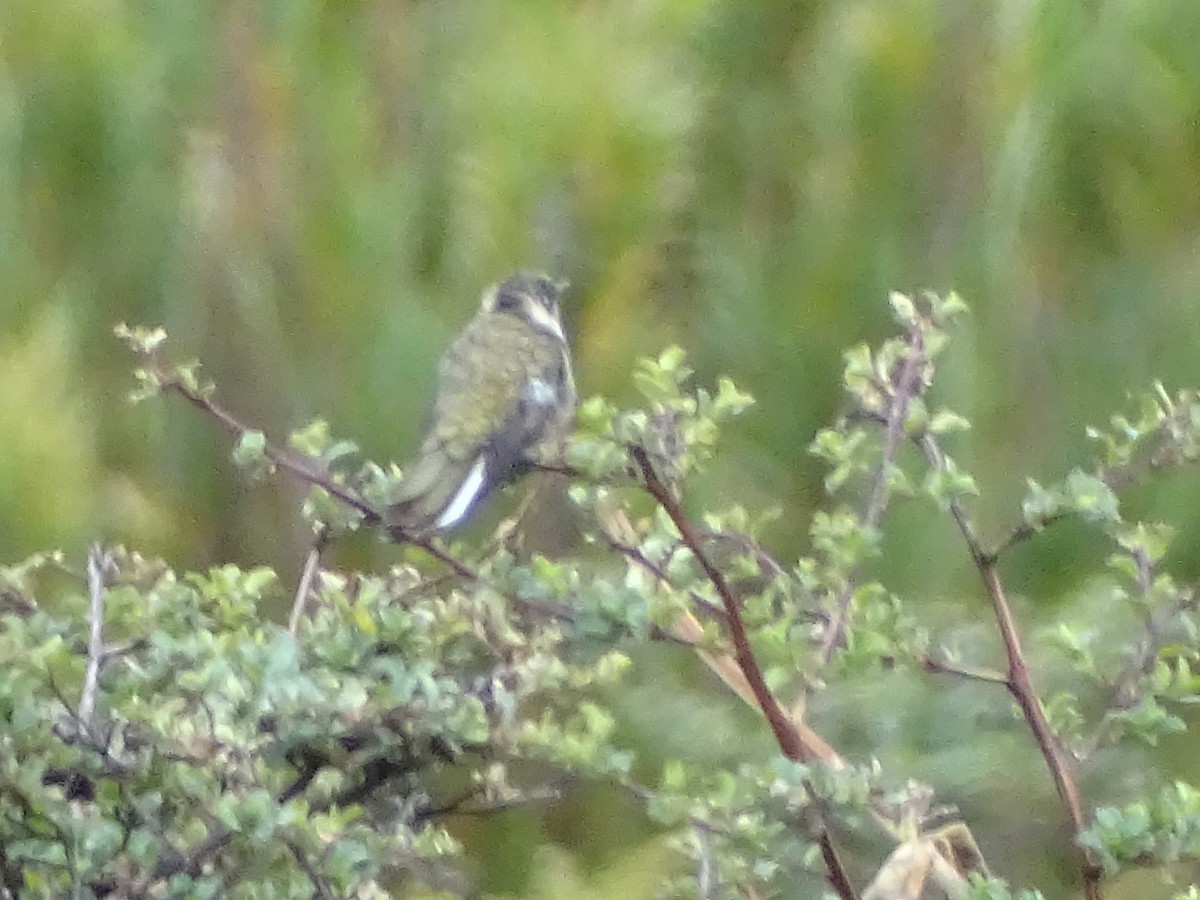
[(506, 302)]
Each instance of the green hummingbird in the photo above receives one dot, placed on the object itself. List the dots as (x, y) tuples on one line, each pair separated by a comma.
[(505, 403)]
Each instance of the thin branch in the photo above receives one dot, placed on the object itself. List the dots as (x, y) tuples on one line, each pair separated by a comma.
[(1018, 681), (635, 555), (786, 735), (376, 774), (900, 392), (1122, 690), (311, 563), (687, 630), (944, 667), (294, 463), (1021, 533), (1154, 457), (98, 563), (321, 887), (464, 806)]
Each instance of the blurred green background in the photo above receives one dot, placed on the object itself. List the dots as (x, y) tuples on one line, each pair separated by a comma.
[(311, 196)]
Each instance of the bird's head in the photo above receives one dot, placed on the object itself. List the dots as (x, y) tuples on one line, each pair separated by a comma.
[(531, 297)]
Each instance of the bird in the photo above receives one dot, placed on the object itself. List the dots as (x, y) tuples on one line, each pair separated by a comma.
[(505, 404)]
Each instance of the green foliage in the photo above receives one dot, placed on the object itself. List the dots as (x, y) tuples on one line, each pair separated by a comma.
[(310, 196), (214, 724), (162, 733), (1163, 828)]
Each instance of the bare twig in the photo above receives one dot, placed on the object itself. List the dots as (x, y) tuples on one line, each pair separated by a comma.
[(899, 392), (1021, 533), (192, 862), (1018, 680), (786, 734), (98, 563), (311, 563), (1158, 454), (945, 667), (1123, 689)]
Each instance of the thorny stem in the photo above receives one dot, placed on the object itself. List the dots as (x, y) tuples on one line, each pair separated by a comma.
[(1018, 680), (786, 735)]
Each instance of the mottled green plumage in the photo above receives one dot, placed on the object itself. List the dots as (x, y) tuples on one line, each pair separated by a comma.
[(505, 401)]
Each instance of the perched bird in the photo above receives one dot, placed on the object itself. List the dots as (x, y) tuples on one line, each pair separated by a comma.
[(505, 403)]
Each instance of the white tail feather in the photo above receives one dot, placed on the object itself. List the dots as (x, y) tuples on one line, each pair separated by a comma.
[(466, 495)]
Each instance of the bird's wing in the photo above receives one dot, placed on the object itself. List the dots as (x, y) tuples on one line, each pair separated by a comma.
[(501, 384)]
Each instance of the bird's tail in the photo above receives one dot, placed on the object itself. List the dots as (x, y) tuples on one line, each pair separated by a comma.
[(437, 493)]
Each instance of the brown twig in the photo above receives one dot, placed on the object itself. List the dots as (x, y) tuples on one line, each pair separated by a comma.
[(192, 862), (786, 735), (1021, 533), (1154, 457), (941, 666), (687, 631), (1018, 680), (289, 462), (781, 726), (1123, 688)]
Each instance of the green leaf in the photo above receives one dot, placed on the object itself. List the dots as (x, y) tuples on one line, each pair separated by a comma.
[(250, 454), (141, 339), (1040, 505), (1146, 541), (948, 484), (904, 311), (1091, 498), (944, 421)]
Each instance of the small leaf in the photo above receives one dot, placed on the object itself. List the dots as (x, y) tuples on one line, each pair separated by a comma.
[(947, 484), (1091, 498), (250, 454), (945, 420), (904, 311), (1040, 505)]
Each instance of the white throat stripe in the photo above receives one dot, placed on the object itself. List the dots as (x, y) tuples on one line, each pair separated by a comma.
[(545, 320)]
